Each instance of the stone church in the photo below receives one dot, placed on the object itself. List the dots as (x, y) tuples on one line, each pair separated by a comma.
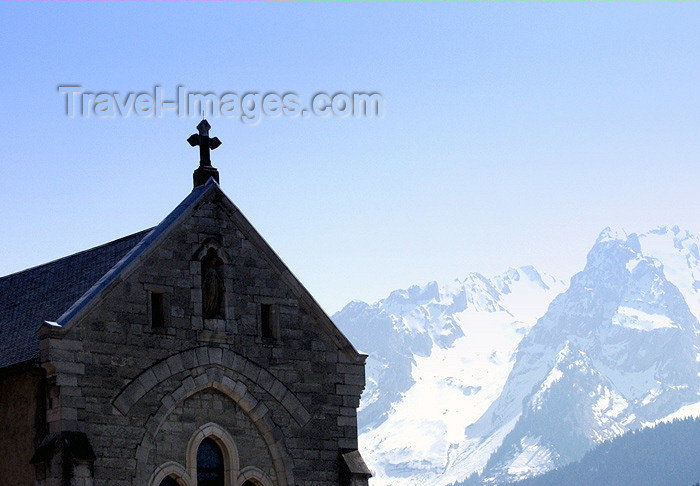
[(187, 354)]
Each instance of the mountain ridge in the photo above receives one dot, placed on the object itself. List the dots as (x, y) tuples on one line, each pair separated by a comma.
[(517, 374), (414, 333)]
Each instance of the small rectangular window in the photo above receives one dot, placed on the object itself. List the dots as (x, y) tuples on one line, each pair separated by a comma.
[(157, 311), (266, 321)]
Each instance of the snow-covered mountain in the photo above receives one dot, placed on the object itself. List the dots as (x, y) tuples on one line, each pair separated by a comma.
[(462, 380), (439, 357)]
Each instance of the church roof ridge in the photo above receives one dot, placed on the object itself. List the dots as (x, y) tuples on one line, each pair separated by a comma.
[(146, 242)]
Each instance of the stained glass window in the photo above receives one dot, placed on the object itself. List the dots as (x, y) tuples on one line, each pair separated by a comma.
[(210, 464)]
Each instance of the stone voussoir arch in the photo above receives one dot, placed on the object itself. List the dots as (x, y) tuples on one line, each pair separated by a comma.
[(204, 356), (212, 378), (255, 410), (210, 367)]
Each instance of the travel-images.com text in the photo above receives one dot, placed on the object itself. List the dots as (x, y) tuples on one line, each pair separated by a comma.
[(249, 108)]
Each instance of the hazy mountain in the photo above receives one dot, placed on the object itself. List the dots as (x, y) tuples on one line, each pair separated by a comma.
[(516, 375), (439, 356)]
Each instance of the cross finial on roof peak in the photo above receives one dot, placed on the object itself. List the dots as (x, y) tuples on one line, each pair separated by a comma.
[(206, 144)]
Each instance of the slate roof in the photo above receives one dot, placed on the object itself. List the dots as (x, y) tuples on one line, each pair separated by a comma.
[(44, 293)]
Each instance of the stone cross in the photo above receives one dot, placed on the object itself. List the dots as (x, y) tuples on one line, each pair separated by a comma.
[(205, 143), (205, 171)]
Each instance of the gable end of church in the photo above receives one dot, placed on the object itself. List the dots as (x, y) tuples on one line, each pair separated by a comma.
[(197, 358)]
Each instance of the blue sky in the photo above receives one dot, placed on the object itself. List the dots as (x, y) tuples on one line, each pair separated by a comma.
[(513, 132)]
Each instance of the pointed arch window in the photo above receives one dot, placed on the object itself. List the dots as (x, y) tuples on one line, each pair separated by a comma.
[(210, 464), (211, 460)]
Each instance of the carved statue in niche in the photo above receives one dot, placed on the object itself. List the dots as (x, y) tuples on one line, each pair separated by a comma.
[(212, 285)]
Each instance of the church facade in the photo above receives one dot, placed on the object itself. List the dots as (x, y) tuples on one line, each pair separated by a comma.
[(184, 355)]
